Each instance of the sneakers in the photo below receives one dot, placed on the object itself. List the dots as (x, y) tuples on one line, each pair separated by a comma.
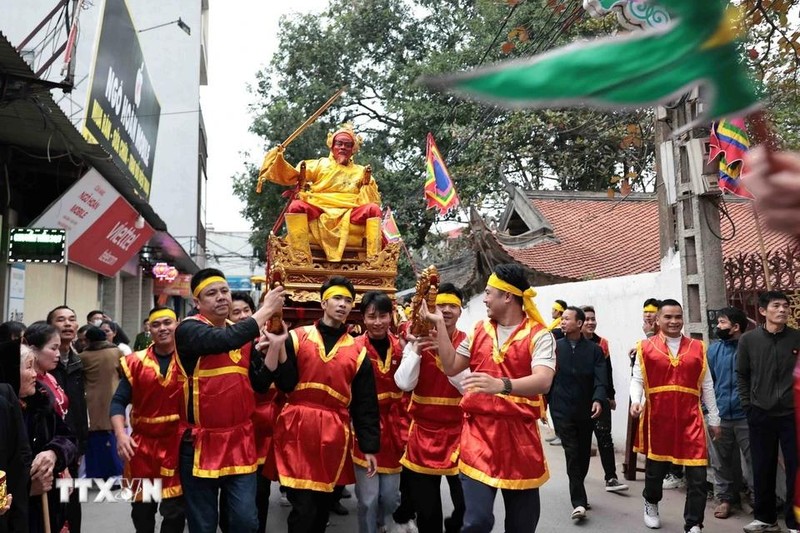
[(555, 442), (757, 526), (613, 485), (673, 482), (651, 518), (579, 513), (695, 529), (284, 501), (408, 527)]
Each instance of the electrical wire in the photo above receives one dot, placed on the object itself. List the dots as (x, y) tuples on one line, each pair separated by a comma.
[(723, 210)]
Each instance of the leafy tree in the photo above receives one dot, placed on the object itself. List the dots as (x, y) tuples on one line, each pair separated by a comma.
[(773, 48), (378, 48)]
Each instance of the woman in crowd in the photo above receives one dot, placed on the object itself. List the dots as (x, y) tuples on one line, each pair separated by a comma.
[(11, 331), (44, 340), (52, 444), (115, 335), (15, 452)]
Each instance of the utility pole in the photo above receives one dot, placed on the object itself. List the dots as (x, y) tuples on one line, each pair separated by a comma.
[(691, 185)]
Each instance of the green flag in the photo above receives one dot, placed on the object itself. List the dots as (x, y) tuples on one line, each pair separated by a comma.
[(639, 69)]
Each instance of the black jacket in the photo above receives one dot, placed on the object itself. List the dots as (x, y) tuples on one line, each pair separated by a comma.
[(764, 365), (580, 380), (70, 377), (15, 460), (47, 431)]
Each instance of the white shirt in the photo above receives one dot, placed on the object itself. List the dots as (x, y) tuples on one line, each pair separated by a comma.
[(707, 393), (544, 346), (124, 348), (406, 376)]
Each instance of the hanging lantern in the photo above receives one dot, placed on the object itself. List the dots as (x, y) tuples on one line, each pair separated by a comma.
[(161, 270), (172, 273)]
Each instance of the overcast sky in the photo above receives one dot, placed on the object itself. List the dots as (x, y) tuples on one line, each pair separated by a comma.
[(242, 38)]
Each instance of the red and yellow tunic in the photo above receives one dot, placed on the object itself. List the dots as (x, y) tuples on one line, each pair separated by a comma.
[(313, 438), (155, 404), (500, 441), (268, 407), (436, 418), (390, 405), (223, 402), (673, 385)]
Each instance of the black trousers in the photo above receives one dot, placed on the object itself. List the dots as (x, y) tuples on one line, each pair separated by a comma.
[(576, 439), (427, 498), (696, 489), (262, 504), (605, 444), (172, 510), (522, 508), (766, 432), (310, 510), (405, 512)]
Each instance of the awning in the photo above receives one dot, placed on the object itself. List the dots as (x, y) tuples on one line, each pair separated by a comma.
[(31, 119)]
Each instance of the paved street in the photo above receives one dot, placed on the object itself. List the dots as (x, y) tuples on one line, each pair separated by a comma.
[(610, 512)]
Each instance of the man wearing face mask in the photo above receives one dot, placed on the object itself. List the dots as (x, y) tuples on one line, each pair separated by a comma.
[(734, 434), (95, 318)]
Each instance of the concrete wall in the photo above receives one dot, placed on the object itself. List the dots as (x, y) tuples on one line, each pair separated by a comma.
[(44, 290), (618, 303)]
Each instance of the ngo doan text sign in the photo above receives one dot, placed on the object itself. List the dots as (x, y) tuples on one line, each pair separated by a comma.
[(123, 111)]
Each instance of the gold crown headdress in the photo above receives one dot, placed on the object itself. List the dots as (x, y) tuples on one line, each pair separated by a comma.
[(346, 128)]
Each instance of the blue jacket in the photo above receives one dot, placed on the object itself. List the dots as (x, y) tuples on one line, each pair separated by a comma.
[(722, 364)]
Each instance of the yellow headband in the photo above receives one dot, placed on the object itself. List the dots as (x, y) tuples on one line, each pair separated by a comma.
[(650, 309), (527, 297), (445, 299), (557, 307), (162, 313), (205, 283), (336, 290)]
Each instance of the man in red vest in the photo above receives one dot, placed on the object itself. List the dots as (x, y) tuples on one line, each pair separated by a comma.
[(331, 385), (379, 495), (152, 384), (512, 359), (437, 419), (669, 380), (218, 449)]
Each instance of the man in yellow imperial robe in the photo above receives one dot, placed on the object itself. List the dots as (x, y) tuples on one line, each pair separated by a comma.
[(336, 195)]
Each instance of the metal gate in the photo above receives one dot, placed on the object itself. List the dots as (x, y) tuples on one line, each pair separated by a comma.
[(745, 280)]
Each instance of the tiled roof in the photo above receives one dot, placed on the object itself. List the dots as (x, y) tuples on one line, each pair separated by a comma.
[(599, 237)]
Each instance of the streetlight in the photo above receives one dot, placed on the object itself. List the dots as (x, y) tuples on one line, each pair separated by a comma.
[(181, 24)]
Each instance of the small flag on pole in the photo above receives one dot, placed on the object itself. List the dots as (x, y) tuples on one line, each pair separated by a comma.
[(389, 226), (439, 189), (729, 142)]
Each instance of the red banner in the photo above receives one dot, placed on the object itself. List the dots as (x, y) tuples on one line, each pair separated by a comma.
[(111, 240)]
